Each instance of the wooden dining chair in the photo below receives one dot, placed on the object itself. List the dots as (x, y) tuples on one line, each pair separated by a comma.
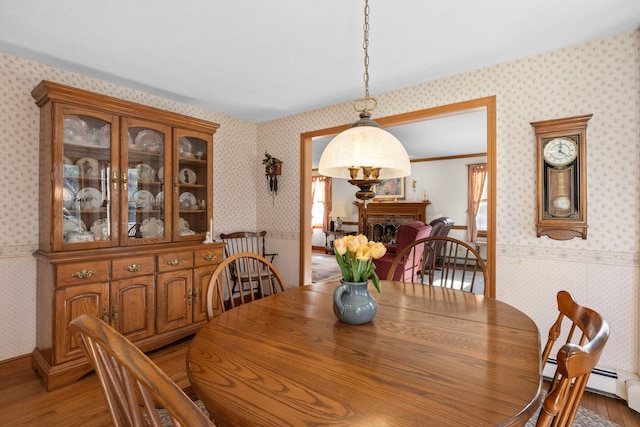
[(134, 387), (587, 335), (246, 241), (459, 265), (257, 277)]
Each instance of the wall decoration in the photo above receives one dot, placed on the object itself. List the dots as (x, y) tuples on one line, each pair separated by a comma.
[(562, 177), (273, 168), (390, 189)]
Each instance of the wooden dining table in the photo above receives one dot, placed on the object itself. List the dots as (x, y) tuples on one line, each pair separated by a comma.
[(431, 357)]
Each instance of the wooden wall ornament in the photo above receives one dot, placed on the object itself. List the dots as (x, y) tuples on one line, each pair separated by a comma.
[(273, 168), (561, 187)]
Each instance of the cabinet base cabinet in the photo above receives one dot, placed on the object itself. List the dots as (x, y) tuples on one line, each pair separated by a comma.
[(140, 293)]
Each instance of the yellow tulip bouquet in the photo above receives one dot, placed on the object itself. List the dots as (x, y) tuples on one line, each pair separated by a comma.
[(355, 255)]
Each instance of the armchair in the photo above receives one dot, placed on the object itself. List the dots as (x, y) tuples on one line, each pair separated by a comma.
[(407, 234), (441, 227)]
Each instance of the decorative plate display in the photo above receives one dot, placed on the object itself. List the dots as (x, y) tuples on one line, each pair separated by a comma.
[(131, 143), (66, 160), (149, 140), (71, 224), (67, 197), (160, 173), (100, 228), (145, 172), (152, 227), (188, 201), (159, 202), (89, 198), (75, 130), (144, 199), (187, 176), (103, 135), (184, 147), (88, 167), (183, 227)]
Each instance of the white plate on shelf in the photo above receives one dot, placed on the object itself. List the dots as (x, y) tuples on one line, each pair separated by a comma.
[(103, 136), (183, 227), (66, 160), (152, 227), (144, 199), (160, 173), (159, 201), (100, 228), (67, 197), (89, 198), (75, 130), (148, 140), (88, 167), (184, 147), (188, 201), (145, 172), (71, 224), (187, 176)]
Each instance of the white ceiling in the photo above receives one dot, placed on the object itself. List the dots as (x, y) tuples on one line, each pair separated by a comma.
[(260, 60), (264, 59)]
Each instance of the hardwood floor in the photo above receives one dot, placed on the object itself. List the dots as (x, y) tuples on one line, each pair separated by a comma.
[(25, 402)]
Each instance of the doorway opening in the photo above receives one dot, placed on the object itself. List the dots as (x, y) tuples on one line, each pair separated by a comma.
[(306, 140)]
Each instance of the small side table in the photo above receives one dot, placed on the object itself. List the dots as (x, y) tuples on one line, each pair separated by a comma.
[(328, 244)]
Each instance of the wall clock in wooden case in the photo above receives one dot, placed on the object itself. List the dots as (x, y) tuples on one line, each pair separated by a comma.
[(561, 185)]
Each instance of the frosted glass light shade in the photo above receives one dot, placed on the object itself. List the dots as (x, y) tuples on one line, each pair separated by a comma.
[(365, 146)]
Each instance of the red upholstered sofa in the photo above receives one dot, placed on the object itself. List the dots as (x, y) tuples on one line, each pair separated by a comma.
[(407, 234)]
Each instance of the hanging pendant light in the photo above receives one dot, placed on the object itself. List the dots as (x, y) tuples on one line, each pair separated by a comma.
[(365, 146)]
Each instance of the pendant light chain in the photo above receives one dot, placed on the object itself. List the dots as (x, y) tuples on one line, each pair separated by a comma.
[(365, 46), (368, 103)]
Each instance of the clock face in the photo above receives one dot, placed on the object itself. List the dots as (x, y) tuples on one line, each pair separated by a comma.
[(560, 151)]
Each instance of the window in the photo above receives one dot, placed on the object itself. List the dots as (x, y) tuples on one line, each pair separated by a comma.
[(321, 202), (481, 216)]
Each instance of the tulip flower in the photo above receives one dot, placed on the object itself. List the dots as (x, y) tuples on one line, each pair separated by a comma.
[(355, 255)]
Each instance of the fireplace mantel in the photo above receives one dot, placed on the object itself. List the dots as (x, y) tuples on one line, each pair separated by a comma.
[(379, 221)]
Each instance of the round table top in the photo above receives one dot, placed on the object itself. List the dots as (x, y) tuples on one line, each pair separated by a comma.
[(431, 356)]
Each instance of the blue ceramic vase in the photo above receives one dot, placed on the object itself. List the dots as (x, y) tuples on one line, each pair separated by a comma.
[(353, 304)]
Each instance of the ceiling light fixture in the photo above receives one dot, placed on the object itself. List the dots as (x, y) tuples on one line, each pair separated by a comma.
[(365, 146)]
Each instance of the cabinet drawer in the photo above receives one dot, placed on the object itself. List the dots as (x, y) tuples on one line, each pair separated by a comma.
[(83, 272), (204, 257), (131, 267), (175, 261)]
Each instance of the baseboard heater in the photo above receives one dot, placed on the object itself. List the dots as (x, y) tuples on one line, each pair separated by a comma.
[(600, 381)]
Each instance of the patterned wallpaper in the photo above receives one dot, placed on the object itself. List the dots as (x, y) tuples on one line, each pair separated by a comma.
[(599, 77)]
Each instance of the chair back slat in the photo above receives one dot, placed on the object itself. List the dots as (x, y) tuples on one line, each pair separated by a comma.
[(588, 333), (445, 262), (133, 386), (239, 279), (246, 241)]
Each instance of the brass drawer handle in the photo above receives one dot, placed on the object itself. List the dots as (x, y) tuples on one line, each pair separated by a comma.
[(209, 257), (175, 261), (83, 274), (133, 268)]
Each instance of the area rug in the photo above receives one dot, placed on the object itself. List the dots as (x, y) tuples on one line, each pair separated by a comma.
[(584, 418), (324, 267)]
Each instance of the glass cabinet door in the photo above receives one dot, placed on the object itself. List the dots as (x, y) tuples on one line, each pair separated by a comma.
[(87, 203), (193, 184), (146, 174)]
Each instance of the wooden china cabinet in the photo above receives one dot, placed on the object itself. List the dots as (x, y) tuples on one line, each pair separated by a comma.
[(126, 197)]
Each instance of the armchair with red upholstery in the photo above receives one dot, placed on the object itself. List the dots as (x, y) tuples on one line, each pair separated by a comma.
[(407, 234)]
